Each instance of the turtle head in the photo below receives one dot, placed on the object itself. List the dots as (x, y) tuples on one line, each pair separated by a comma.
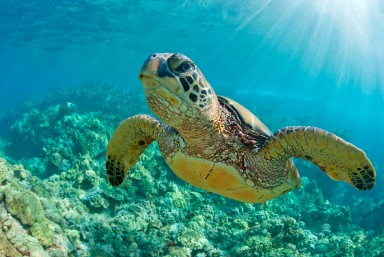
[(175, 87)]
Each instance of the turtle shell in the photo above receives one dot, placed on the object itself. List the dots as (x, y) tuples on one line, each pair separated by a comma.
[(245, 116)]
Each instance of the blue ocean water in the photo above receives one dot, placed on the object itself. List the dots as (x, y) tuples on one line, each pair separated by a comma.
[(317, 63)]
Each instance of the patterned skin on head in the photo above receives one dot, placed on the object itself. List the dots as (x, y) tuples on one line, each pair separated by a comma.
[(175, 87)]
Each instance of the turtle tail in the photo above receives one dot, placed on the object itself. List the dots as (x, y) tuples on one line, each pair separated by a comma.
[(333, 155), (129, 141)]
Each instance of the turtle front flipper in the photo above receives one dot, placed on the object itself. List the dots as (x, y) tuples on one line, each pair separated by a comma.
[(128, 142), (336, 157)]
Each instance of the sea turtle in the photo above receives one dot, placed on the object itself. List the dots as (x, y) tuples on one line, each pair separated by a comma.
[(216, 144)]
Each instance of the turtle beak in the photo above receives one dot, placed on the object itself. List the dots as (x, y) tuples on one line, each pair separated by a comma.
[(148, 73), (150, 66), (155, 70), (156, 66)]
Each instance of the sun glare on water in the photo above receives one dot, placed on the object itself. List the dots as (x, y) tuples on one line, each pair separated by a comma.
[(338, 38), (358, 25)]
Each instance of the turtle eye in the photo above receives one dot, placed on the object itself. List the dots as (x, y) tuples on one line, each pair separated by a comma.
[(179, 63), (184, 66)]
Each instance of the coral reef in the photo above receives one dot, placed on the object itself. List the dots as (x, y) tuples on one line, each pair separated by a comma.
[(26, 229), (55, 200), (60, 134)]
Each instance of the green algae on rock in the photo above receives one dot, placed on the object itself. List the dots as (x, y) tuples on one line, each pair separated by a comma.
[(24, 219), (26, 206)]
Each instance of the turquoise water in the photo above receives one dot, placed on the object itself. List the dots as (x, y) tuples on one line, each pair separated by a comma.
[(316, 63)]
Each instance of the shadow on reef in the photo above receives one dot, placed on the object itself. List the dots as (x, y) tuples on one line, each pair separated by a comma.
[(55, 200)]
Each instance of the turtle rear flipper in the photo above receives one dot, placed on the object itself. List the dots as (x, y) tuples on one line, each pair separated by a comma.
[(336, 157), (129, 141)]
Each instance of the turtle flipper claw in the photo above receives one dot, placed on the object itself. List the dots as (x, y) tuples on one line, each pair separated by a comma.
[(129, 141)]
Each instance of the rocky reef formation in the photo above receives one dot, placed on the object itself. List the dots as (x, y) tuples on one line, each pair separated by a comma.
[(55, 201)]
